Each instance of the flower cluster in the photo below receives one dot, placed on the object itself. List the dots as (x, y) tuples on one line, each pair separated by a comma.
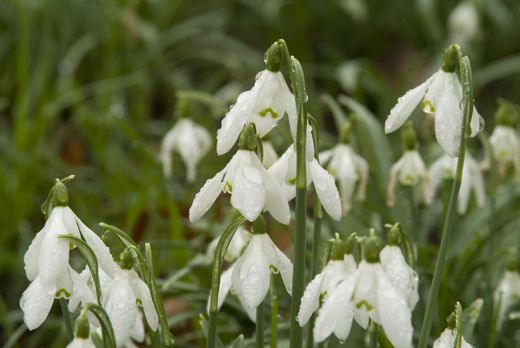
[(381, 288)]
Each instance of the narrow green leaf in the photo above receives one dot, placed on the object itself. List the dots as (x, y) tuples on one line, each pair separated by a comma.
[(108, 332), (123, 237), (458, 323)]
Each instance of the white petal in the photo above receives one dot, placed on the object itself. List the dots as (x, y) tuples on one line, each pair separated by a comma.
[(138, 331), (405, 105), (120, 305), (365, 293), (233, 122), (429, 103), (283, 172), (325, 186), (393, 313), (275, 200), (251, 276), (53, 261), (147, 303), (477, 122), (448, 117), (35, 304), (225, 286), (248, 194), (310, 300), (278, 260), (81, 343), (336, 313), (81, 290), (207, 195), (32, 254), (269, 154), (447, 340)]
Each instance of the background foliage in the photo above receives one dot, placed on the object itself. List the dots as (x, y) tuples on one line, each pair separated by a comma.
[(90, 88)]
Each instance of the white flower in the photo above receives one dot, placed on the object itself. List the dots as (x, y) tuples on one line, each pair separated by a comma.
[(447, 340), (505, 144), (81, 343), (251, 274), (368, 293), (409, 169), (442, 96), (472, 179), (323, 283), (270, 156), (235, 248), (506, 293), (463, 22), (191, 141), (121, 300), (47, 263), (402, 276), (284, 171), (347, 167), (264, 105), (252, 190)]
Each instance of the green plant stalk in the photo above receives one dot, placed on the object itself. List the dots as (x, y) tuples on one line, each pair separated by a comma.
[(220, 252), (315, 262), (297, 78), (67, 319), (273, 340), (467, 89), (259, 337)]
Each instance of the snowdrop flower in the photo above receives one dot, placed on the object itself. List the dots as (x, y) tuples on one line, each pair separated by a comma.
[(47, 260), (347, 167), (447, 340), (284, 171), (507, 292), (409, 169), (264, 105), (251, 274), (123, 295), (340, 267), (269, 156), (441, 96), (463, 22), (252, 188), (402, 276), (472, 179), (369, 293), (191, 141), (235, 248), (82, 334), (505, 144)]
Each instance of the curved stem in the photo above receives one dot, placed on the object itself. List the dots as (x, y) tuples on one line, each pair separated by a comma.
[(467, 88)]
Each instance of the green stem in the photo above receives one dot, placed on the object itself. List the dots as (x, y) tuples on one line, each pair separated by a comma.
[(259, 341), (274, 319), (67, 319), (467, 87)]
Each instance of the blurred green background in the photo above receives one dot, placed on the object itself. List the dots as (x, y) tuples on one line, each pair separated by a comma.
[(89, 87)]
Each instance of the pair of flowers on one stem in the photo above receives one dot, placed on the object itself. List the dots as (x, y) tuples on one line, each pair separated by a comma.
[(382, 288), (47, 267)]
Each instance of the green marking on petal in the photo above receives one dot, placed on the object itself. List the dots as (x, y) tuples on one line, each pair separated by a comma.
[(273, 269), (61, 292), (139, 302), (228, 187), (322, 296), (426, 104), (292, 181), (266, 111), (364, 304)]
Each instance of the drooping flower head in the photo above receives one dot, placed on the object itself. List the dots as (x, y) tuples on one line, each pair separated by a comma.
[(441, 96), (505, 141), (463, 22), (508, 290), (252, 188), (191, 141), (264, 105)]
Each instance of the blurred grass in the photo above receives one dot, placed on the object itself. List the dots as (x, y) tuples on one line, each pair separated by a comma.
[(90, 87)]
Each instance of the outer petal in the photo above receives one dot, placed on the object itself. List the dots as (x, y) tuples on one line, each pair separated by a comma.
[(251, 276), (364, 295), (35, 304), (275, 200), (431, 98), (325, 186), (278, 260), (477, 122), (310, 300), (143, 294), (225, 286), (32, 254), (207, 195), (120, 305), (81, 343), (233, 122), (394, 314), (81, 291), (54, 261), (337, 312), (448, 118), (248, 191), (138, 332), (405, 105), (281, 173)]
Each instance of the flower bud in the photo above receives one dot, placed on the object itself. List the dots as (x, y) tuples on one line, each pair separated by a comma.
[(450, 58), (248, 139), (82, 329), (346, 130), (394, 235), (60, 194), (337, 248), (273, 57), (373, 246)]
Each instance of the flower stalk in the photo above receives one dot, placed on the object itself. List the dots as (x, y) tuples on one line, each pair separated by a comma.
[(452, 56), (259, 339)]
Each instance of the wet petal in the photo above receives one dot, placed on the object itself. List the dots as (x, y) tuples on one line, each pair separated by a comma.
[(275, 201), (32, 255), (53, 261), (207, 195), (144, 295), (233, 122), (248, 194), (431, 98), (477, 122), (405, 105), (278, 260), (325, 186), (35, 304), (448, 118), (120, 304), (310, 300)]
